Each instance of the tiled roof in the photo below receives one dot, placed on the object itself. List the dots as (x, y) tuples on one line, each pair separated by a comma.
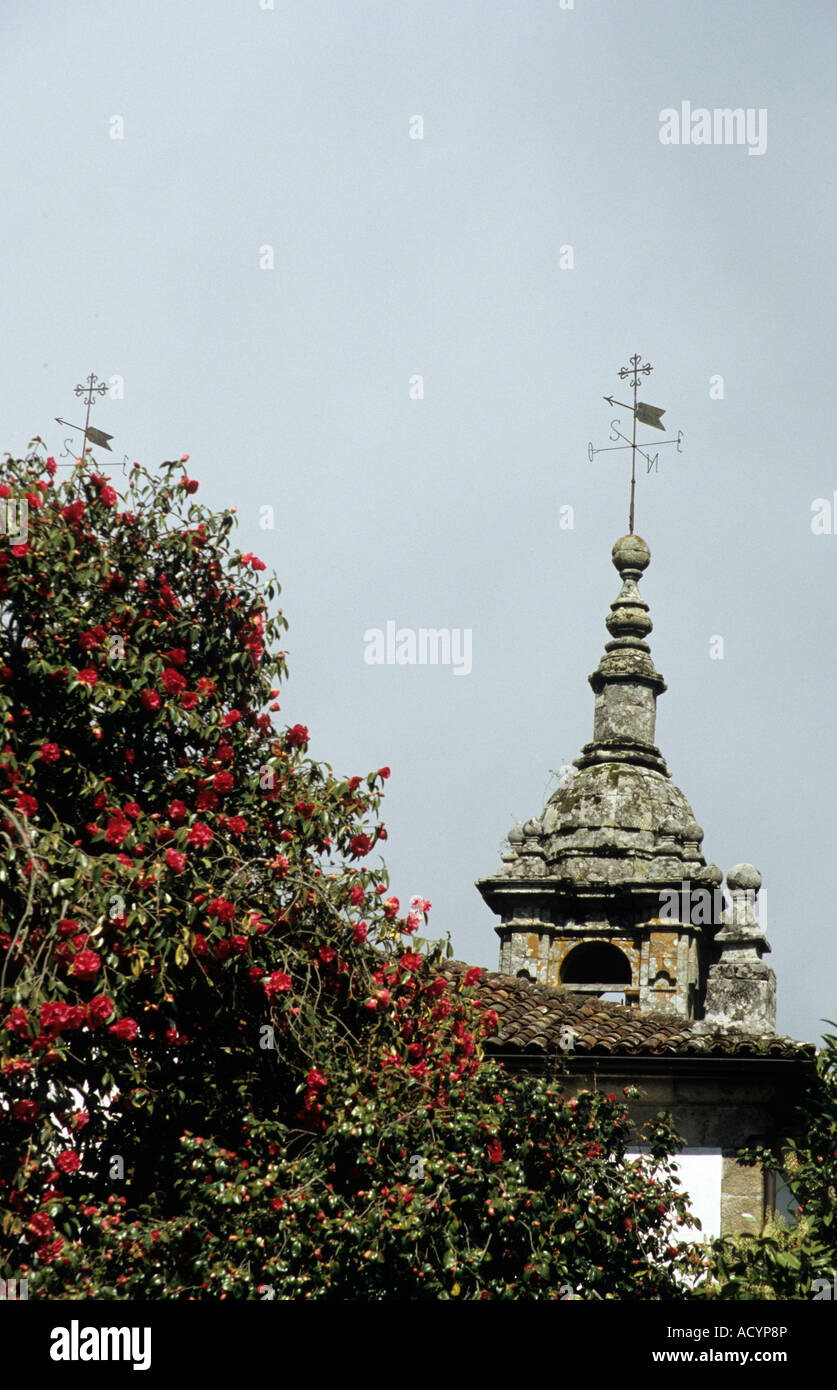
[(532, 1017)]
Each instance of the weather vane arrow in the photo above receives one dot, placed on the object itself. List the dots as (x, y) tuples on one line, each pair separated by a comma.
[(643, 414), (95, 436)]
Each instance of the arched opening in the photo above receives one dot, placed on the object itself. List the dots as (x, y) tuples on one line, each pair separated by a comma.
[(596, 967)]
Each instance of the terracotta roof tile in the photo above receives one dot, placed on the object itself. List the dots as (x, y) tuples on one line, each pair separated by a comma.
[(532, 1016)]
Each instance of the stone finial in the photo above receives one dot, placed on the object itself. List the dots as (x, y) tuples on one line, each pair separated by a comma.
[(631, 556), (626, 683), (740, 987), (744, 876)]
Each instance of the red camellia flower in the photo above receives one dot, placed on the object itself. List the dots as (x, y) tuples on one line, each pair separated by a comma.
[(68, 1161), (473, 976), (240, 944), (89, 641), (131, 809), (61, 1018), (188, 699), (175, 861), (276, 983), (206, 800), (200, 834), (253, 561), (189, 485), (223, 782), (357, 895), (237, 825), (118, 828), (18, 1021), (26, 804), (74, 512), (48, 1253), (178, 812), (50, 752), (108, 496), (220, 908), (173, 681), (360, 932), (410, 960), (231, 717), (125, 1030), (149, 699), (316, 1080), (86, 965), (41, 1225), (360, 845), (20, 550), (383, 772), (175, 657), (89, 676), (495, 1151), (99, 1010), (25, 1112), (297, 736)]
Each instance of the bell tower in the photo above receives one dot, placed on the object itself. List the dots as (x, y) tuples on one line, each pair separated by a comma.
[(607, 892)]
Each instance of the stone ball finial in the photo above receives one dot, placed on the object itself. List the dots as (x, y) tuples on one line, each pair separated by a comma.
[(631, 554), (744, 876)]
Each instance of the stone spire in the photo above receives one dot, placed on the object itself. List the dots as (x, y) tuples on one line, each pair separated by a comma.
[(607, 890), (626, 683)]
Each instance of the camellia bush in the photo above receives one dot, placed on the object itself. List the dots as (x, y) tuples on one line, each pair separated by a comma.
[(231, 1067)]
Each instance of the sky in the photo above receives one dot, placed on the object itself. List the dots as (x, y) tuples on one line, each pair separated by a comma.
[(374, 267)]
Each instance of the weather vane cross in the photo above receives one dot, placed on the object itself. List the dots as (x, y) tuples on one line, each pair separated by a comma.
[(643, 414)]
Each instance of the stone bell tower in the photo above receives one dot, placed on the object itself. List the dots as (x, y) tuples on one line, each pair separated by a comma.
[(607, 892)]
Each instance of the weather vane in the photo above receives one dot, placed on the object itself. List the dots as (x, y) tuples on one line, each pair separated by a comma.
[(643, 414), (93, 387)]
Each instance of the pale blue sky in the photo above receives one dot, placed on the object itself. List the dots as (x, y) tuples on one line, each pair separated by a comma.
[(289, 127)]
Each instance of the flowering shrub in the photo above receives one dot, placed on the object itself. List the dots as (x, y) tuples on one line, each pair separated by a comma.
[(230, 1066)]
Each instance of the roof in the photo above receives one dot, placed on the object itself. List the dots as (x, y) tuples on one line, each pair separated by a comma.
[(532, 1017)]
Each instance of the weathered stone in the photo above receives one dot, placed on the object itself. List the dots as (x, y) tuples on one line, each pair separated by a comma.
[(612, 845)]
